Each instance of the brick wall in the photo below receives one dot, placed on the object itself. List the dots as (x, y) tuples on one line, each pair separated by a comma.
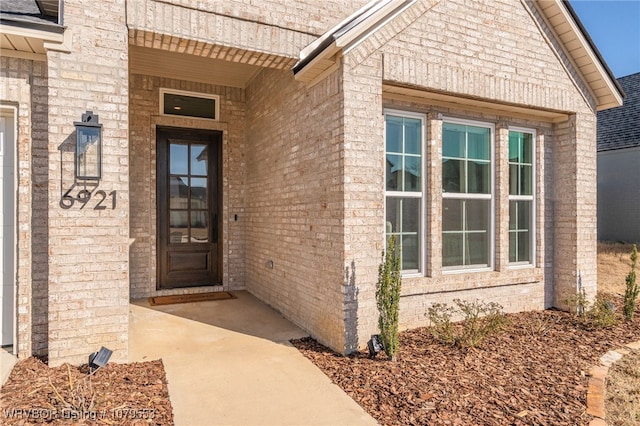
[(88, 248), (295, 201), (24, 85), (144, 117), (270, 26)]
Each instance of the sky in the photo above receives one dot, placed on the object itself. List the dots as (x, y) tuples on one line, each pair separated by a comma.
[(614, 27)]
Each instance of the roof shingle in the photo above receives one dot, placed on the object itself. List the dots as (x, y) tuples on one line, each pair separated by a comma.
[(620, 127)]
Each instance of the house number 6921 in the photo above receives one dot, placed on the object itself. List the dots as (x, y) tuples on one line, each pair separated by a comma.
[(85, 195)]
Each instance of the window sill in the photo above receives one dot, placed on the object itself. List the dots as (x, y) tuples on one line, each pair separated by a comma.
[(456, 270)]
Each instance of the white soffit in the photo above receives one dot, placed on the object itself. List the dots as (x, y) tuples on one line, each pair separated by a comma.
[(182, 66), (578, 48)]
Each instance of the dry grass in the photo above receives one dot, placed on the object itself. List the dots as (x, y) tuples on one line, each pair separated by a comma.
[(613, 266), (623, 391), (623, 381)]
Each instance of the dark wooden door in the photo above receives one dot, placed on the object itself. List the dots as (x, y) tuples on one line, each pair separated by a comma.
[(188, 196)]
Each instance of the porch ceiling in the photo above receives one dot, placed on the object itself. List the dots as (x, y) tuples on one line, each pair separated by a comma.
[(184, 66)]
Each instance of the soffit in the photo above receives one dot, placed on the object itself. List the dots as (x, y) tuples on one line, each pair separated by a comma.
[(28, 28), (580, 49), (183, 66)]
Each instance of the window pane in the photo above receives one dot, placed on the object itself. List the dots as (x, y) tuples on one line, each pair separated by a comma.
[(453, 177), (410, 215), (452, 214), (451, 249), (513, 215), (527, 148), (514, 179), (453, 140), (513, 246), (477, 249), (477, 215), (412, 136), (199, 160), (410, 252), (394, 215), (479, 177), (524, 214), (479, 145), (178, 192), (199, 227), (412, 174), (199, 193), (524, 247), (526, 180), (520, 215), (394, 172), (178, 227), (514, 147), (178, 154), (394, 134)]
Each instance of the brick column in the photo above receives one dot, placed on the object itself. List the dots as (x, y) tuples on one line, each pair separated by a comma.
[(575, 208), (501, 158), (88, 247)]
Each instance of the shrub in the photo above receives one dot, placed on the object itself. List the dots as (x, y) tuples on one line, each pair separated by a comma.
[(600, 313), (388, 298), (632, 289), (481, 319)]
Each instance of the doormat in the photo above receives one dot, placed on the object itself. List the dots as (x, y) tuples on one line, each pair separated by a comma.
[(188, 298)]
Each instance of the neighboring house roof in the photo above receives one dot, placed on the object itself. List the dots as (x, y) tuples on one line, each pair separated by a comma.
[(620, 127), (28, 28), (321, 56), (41, 13)]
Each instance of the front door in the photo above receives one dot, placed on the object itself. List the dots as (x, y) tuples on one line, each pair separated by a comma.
[(188, 196)]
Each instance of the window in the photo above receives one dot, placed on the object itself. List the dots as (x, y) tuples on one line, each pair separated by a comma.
[(521, 198), (189, 104), (467, 192), (404, 185)]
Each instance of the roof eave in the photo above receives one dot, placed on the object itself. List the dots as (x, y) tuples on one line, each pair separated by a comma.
[(319, 56), (567, 27)]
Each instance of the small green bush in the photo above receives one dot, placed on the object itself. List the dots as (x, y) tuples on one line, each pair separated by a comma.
[(388, 298), (632, 289), (599, 314), (481, 319)]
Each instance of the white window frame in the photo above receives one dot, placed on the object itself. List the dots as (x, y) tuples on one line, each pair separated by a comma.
[(466, 196), (532, 198), (215, 98), (402, 194)]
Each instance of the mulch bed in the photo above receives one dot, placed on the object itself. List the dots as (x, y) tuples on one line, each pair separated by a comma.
[(118, 394), (533, 373)]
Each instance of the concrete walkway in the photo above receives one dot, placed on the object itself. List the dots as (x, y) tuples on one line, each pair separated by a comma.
[(7, 361), (229, 362)]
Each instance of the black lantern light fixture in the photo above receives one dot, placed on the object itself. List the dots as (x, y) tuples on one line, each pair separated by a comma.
[(88, 147)]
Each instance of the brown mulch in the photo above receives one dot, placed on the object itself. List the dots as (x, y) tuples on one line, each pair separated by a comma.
[(118, 394), (533, 373)]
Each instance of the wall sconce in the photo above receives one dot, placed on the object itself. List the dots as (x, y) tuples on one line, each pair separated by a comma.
[(88, 147)]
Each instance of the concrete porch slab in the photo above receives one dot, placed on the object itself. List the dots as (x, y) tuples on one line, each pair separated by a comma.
[(229, 362)]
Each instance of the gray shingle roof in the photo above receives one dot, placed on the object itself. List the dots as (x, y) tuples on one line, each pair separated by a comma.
[(620, 127), (29, 13)]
